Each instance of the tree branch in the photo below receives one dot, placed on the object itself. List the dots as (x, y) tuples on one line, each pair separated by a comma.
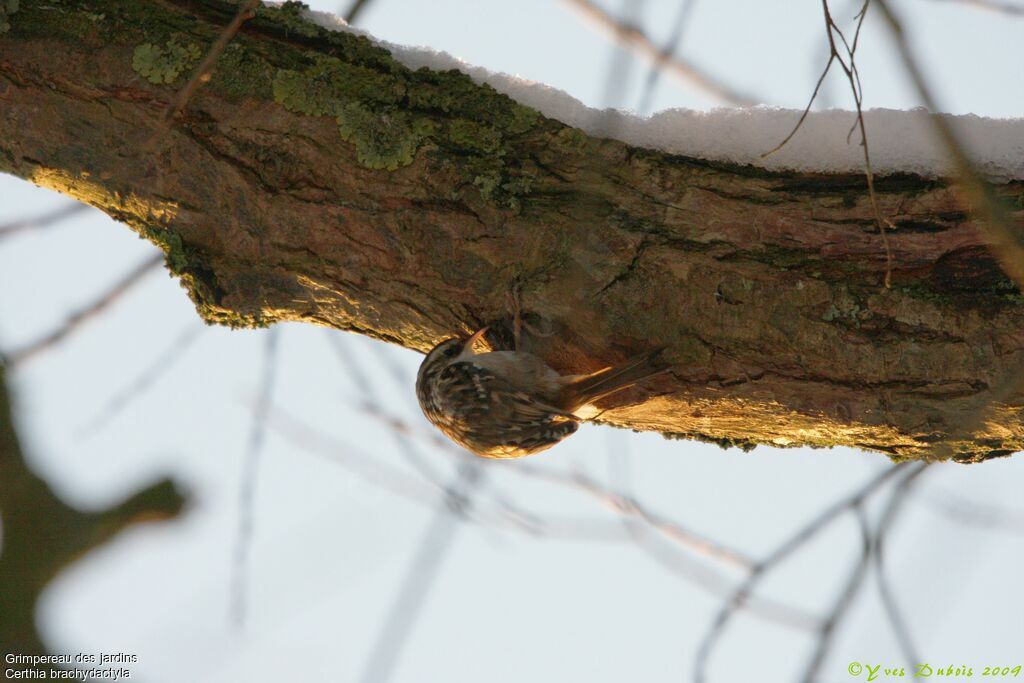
[(632, 38), (315, 178), (83, 315), (42, 535)]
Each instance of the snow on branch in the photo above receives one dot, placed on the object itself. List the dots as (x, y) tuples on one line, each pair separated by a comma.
[(901, 141)]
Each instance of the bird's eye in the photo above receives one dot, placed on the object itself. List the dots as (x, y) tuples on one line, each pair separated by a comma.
[(452, 350)]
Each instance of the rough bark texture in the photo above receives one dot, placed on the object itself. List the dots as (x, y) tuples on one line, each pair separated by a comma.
[(316, 179)]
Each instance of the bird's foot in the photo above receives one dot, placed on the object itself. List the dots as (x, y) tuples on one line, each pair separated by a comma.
[(519, 320)]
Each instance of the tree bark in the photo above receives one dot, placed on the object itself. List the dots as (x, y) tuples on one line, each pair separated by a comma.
[(315, 178)]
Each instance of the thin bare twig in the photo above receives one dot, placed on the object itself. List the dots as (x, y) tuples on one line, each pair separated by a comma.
[(367, 467), (377, 472), (44, 221), (842, 604), (645, 528), (407, 449), (671, 45), (995, 223), (991, 6), (77, 319), (871, 549), (420, 578), (616, 80), (365, 388), (131, 392), (694, 542), (437, 540), (634, 39), (640, 518), (354, 10), (250, 471), (782, 551), (849, 66), (620, 466), (202, 73), (632, 508), (885, 592), (994, 220), (974, 513), (699, 575), (715, 583)]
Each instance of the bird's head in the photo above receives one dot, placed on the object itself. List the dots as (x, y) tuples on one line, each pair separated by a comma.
[(442, 355)]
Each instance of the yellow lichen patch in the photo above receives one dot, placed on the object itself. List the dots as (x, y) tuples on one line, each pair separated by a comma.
[(82, 187)]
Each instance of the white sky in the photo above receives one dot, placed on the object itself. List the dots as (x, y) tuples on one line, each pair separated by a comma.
[(330, 552)]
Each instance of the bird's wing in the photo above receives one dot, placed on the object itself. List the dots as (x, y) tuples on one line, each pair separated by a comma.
[(484, 403), (467, 387)]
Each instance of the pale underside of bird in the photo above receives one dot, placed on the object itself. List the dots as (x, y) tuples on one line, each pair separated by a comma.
[(508, 404)]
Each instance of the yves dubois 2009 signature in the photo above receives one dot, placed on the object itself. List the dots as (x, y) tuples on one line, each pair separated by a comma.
[(874, 672)]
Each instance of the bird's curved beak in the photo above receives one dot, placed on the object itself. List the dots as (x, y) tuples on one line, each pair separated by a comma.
[(476, 336)]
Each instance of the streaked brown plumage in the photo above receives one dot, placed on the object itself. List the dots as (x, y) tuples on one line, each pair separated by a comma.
[(507, 404)]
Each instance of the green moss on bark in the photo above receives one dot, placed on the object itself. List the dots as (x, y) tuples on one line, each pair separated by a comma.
[(240, 72), (383, 140), (161, 64), (389, 113), (7, 8), (723, 442), (289, 16), (328, 84)]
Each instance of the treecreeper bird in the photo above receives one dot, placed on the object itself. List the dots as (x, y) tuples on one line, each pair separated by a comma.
[(507, 404)]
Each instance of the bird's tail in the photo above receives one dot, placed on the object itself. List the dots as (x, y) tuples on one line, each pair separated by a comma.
[(590, 388)]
